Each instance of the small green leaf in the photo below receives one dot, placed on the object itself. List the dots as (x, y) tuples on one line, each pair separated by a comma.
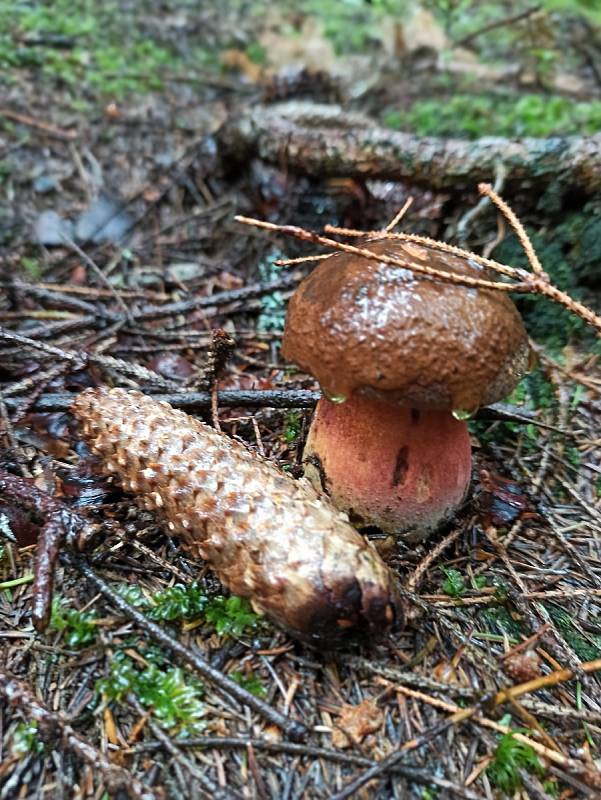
[(250, 682), (454, 585), (78, 627), (173, 695)]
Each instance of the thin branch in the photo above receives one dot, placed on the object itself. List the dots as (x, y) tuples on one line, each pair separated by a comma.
[(497, 23), (288, 262), (536, 282), (293, 728), (486, 190), (449, 277), (395, 220), (435, 244), (269, 398), (468, 218)]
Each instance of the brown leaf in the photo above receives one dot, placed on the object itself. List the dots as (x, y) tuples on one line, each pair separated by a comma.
[(356, 722), (523, 667)]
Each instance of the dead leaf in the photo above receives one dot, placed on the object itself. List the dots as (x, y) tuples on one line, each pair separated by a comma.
[(356, 722)]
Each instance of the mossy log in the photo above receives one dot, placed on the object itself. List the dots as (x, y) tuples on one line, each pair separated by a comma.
[(324, 141)]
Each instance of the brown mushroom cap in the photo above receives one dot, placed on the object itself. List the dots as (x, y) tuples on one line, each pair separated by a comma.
[(366, 326)]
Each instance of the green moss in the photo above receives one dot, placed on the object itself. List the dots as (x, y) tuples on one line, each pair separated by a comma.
[(25, 739), (532, 393), (454, 584), (171, 604), (95, 55), (353, 25), (78, 627), (292, 426), (473, 115), (570, 253), (587, 647), (230, 615), (250, 682), (174, 697), (512, 756), (499, 620)]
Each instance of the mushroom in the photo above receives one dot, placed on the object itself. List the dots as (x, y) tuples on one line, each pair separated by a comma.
[(403, 360)]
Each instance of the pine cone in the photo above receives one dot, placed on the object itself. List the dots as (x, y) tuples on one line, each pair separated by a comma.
[(270, 538)]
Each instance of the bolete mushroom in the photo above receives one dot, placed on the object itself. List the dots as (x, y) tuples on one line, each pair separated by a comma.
[(402, 360)]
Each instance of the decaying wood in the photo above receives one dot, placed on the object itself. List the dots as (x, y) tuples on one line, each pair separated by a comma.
[(324, 141)]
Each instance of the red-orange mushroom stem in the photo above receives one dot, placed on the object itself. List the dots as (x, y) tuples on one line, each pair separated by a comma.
[(383, 463)]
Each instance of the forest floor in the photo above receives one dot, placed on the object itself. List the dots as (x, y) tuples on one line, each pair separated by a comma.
[(119, 256)]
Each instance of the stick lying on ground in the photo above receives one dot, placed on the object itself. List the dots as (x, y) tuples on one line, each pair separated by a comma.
[(324, 141)]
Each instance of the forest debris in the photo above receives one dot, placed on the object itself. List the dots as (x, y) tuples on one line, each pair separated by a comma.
[(535, 282), (294, 729), (52, 724), (522, 667), (356, 722), (324, 141)]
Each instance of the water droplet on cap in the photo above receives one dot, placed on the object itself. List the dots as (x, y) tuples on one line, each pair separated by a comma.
[(463, 414), (333, 397)]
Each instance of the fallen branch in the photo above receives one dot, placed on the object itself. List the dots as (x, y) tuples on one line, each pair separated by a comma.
[(267, 398), (324, 141), (45, 127)]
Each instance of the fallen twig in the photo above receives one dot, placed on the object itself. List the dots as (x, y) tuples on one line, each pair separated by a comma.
[(536, 282), (267, 398), (293, 728), (45, 127), (210, 788)]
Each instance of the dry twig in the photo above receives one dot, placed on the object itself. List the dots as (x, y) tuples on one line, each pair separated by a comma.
[(535, 282)]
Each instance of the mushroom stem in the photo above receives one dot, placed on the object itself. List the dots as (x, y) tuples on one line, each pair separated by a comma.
[(404, 470)]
